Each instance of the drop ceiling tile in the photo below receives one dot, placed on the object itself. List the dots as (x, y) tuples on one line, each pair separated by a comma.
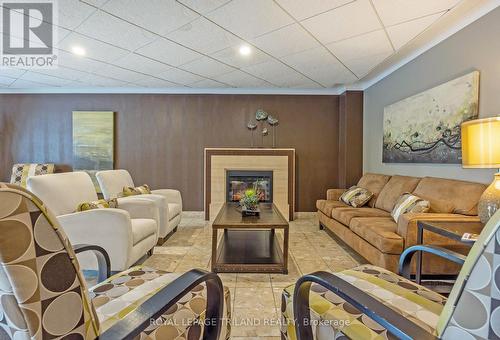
[(12, 72), (207, 67), (95, 80), (71, 13), (70, 60), (115, 72), (156, 83), (287, 40), (6, 81), (277, 73), (363, 52), (108, 28), (203, 36), (179, 76), (141, 64), (168, 52), (159, 16), (301, 9), (320, 65), (203, 6), (26, 84), (44, 79), (207, 84), (94, 49), (63, 72), (396, 11), (344, 22), (238, 78), (401, 34), (249, 19), (96, 3), (232, 56)]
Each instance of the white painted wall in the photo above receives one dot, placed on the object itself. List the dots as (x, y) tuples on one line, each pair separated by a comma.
[(476, 47)]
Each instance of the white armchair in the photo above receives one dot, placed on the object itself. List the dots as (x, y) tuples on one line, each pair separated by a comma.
[(126, 233), (169, 201)]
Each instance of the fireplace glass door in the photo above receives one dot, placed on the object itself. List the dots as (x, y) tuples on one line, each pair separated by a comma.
[(238, 181)]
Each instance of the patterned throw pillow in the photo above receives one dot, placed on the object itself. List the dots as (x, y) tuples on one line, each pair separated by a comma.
[(21, 172), (100, 204), (409, 203), (356, 197), (131, 191)]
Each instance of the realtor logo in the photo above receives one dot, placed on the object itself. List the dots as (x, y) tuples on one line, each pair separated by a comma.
[(28, 34)]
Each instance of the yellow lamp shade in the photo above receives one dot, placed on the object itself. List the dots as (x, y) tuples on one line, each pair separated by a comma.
[(481, 143)]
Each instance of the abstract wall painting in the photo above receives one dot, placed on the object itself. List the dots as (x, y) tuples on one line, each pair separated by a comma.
[(93, 142), (425, 128)]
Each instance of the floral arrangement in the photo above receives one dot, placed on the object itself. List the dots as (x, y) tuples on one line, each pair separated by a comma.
[(250, 200)]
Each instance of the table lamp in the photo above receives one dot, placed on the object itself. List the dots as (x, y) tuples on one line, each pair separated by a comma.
[(481, 149)]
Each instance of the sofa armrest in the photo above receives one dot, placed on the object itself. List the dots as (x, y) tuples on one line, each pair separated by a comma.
[(139, 207), (407, 225), (334, 194), (171, 195), (110, 229)]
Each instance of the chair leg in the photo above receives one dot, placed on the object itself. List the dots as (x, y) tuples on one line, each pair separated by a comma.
[(150, 251)]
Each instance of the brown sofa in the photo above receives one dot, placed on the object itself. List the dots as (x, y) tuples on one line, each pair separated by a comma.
[(372, 232)]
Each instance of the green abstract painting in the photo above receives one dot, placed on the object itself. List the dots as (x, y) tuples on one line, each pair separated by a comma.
[(425, 128), (93, 141)]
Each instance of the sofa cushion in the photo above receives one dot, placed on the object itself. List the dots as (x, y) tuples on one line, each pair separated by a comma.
[(356, 197), (380, 232), (396, 186), (374, 183), (344, 215), (142, 228), (409, 203), (449, 195), (133, 191), (326, 206)]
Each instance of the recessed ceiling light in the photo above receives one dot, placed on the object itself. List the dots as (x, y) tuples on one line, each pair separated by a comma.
[(78, 50), (245, 50)]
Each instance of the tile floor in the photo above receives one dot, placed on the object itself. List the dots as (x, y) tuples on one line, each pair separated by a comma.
[(256, 298)]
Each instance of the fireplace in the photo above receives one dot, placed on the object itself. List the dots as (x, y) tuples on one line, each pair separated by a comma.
[(237, 181)]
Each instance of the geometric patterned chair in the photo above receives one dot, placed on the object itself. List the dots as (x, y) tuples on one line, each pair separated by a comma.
[(43, 294), (368, 302), (21, 172)]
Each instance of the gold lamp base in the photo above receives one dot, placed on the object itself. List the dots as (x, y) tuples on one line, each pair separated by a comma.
[(489, 202)]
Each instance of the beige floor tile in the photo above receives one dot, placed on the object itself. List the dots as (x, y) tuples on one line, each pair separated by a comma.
[(255, 295), (254, 298), (253, 280)]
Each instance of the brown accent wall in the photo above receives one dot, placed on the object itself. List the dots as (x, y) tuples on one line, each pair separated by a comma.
[(350, 138), (160, 138)]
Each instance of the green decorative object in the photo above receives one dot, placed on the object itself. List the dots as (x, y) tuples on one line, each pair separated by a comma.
[(261, 115), (250, 202)]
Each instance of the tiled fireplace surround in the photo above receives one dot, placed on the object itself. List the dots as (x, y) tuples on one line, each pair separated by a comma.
[(280, 161)]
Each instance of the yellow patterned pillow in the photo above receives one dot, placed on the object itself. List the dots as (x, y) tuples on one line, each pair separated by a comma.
[(131, 191), (356, 197), (100, 204), (409, 203)]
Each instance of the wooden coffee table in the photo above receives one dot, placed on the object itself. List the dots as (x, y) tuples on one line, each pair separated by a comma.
[(249, 244)]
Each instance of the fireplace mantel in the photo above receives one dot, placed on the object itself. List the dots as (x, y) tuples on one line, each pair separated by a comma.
[(280, 161)]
